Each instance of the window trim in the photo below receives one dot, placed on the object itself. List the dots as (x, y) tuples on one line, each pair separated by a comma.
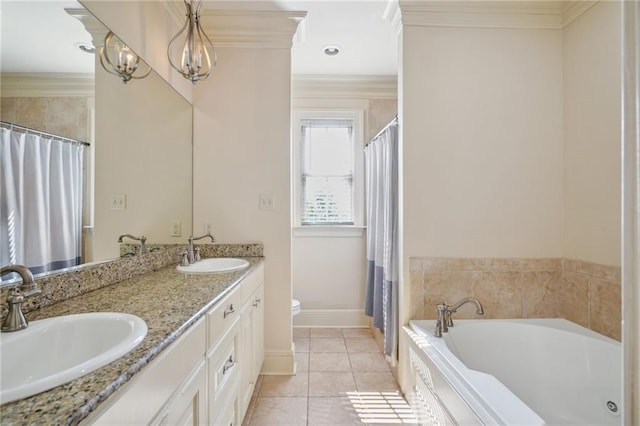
[(357, 115)]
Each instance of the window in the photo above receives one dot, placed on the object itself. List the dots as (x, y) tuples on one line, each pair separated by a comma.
[(328, 160)]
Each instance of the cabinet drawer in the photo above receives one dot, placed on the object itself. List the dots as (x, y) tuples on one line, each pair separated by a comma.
[(252, 282), (222, 316), (223, 370)]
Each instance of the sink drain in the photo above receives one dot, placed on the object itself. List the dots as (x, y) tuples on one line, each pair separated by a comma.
[(612, 406)]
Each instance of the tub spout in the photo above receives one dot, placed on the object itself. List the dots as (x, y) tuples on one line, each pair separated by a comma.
[(457, 305), (444, 320), (453, 308)]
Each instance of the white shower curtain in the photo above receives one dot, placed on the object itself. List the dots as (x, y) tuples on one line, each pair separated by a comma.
[(40, 201), (381, 169)]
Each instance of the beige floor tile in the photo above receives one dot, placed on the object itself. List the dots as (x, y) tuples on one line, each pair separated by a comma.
[(284, 386), (382, 408), (326, 332), (375, 382), (329, 361), (327, 344), (279, 411), (368, 362), (361, 344), (301, 344), (357, 332), (332, 411), (301, 332), (302, 361), (330, 384)]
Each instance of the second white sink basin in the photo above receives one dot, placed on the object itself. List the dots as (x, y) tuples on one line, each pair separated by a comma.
[(54, 351), (214, 264)]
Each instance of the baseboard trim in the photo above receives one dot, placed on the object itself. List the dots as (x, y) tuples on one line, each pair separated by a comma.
[(345, 318), (279, 363)]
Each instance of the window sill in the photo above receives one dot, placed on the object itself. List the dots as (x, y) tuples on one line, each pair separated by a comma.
[(329, 231)]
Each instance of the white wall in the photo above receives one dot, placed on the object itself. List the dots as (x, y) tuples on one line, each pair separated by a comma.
[(241, 150), (592, 110), (482, 142), (329, 278), (142, 150)]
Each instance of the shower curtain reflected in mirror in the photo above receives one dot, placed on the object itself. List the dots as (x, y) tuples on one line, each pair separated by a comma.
[(40, 200), (381, 175)]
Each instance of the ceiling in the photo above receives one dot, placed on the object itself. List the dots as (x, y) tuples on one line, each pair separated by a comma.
[(367, 42)]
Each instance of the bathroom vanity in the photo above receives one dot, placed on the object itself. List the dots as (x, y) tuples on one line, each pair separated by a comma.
[(198, 363)]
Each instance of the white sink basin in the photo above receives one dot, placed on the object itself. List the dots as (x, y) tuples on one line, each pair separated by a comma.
[(54, 351), (214, 264)]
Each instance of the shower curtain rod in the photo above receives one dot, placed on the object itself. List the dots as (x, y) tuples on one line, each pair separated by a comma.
[(393, 122), (24, 129)]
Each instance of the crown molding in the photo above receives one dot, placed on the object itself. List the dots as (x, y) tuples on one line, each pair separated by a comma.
[(47, 85), (97, 30), (344, 87), (252, 28), (573, 9), (492, 14)]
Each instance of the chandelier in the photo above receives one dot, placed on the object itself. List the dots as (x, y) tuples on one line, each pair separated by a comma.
[(117, 58), (190, 52)]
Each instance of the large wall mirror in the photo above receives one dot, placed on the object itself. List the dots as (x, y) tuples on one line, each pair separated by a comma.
[(136, 172)]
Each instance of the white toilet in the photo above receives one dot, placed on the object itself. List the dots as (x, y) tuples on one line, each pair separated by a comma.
[(295, 307)]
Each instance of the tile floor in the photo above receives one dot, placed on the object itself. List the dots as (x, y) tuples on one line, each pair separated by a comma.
[(342, 379)]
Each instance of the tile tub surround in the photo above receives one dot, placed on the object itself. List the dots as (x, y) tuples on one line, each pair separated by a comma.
[(65, 284), (585, 293), (169, 302)]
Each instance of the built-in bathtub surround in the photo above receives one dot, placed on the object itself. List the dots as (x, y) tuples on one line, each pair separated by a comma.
[(70, 283), (592, 296), (582, 292)]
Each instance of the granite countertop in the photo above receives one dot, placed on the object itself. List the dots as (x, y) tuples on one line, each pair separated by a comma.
[(170, 302)]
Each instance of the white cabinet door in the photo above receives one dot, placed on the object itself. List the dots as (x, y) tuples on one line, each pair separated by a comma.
[(188, 406), (247, 381), (258, 331)]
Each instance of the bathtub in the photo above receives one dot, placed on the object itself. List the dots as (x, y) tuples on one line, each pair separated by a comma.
[(515, 372)]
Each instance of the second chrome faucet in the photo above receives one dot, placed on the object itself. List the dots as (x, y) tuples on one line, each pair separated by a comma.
[(193, 254)]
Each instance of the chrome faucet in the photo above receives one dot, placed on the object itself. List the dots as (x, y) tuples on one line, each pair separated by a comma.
[(194, 254), (444, 320), (142, 239), (15, 319)]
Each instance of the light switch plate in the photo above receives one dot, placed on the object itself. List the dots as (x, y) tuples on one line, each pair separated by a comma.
[(267, 202), (118, 202)]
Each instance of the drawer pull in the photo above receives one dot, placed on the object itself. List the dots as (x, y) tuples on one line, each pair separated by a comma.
[(228, 365), (229, 311), (256, 302)]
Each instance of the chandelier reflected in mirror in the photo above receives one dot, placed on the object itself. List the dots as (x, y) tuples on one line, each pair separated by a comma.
[(118, 59), (190, 52)]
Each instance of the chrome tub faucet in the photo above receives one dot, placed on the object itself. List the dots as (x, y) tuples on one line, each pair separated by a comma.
[(15, 319), (193, 254), (444, 320), (142, 239)]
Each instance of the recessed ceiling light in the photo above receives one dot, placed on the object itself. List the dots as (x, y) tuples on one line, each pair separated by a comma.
[(331, 50), (86, 47)]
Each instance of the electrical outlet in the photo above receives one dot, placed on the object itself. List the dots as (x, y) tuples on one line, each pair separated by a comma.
[(176, 228), (267, 202), (118, 202)]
